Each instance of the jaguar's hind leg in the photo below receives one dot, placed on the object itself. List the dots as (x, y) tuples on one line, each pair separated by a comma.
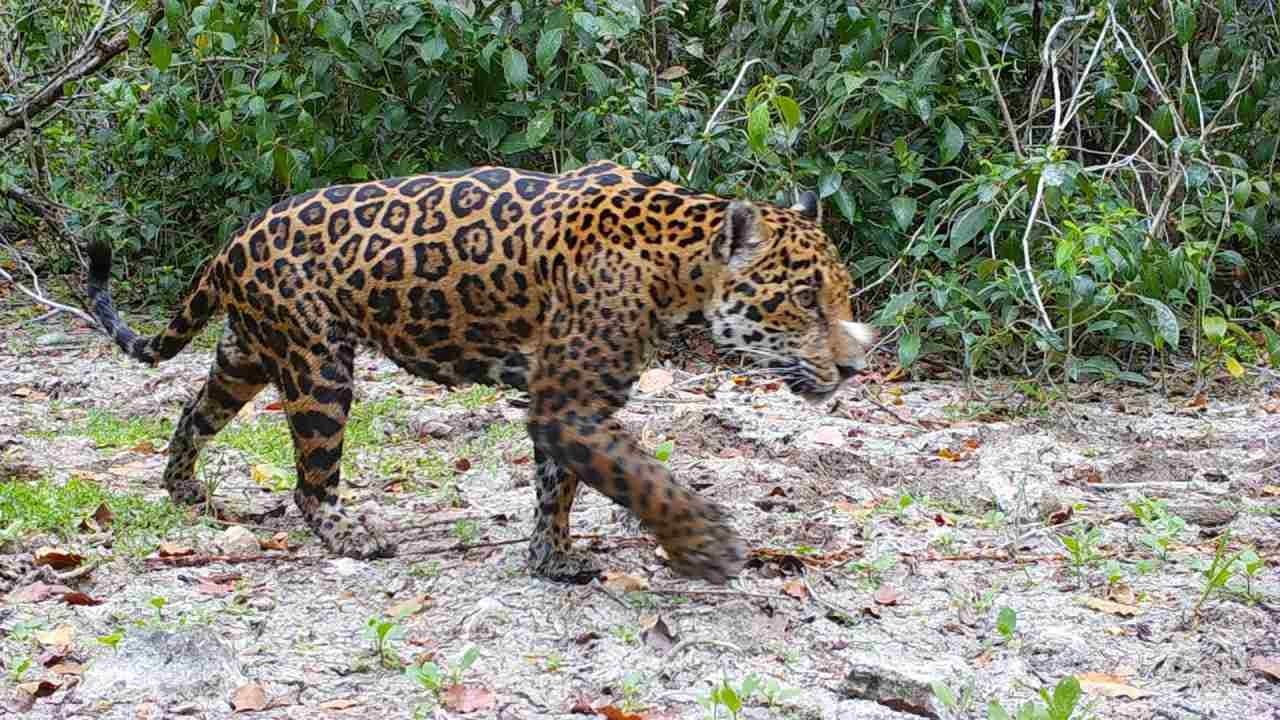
[(235, 378), (551, 549), (318, 401)]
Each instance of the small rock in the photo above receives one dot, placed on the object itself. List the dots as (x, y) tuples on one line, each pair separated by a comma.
[(238, 540), (902, 683), (435, 429), (262, 603)]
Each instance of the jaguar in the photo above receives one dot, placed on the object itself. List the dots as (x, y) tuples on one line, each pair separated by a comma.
[(557, 285)]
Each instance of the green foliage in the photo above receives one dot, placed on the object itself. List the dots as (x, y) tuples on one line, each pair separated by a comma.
[(42, 505), (1093, 247), (436, 679)]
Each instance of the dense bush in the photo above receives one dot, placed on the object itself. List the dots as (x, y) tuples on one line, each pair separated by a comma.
[(1075, 188)]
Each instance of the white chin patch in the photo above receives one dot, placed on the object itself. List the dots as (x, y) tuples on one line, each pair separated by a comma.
[(861, 333)]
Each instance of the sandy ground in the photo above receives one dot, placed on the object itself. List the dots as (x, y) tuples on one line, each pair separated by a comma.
[(908, 535)]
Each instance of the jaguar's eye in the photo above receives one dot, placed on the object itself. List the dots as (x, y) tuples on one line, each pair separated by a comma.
[(805, 297)]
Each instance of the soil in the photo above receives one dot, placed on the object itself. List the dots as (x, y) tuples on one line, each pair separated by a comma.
[(891, 528)]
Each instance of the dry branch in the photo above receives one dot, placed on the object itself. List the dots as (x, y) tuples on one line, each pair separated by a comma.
[(88, 61)]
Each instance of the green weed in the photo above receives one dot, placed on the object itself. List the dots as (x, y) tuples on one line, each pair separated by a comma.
[(45, 506), (112, 431)]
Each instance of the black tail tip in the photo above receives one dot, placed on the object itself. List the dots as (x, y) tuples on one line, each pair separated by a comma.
[(99, 264)]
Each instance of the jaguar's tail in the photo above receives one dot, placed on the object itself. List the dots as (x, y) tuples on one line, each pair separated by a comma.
[(200, 304)]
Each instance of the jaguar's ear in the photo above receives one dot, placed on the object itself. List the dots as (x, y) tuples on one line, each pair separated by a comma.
[(809, 206), (743, 234)]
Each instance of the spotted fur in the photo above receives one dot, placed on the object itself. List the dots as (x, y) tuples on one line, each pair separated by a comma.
[(556, 284)]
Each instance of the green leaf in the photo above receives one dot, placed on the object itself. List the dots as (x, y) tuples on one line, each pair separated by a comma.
[(433, 48), (996, 711), (1166, 323), (845, 204), (894, 95), (972, 222), (909, 349), (161, 54), (515, 67), (596, 79), (1006, 621), (904, 210), (758, 127), (548, 46), (1065, 697), (1184, 21), (788, 109), (538, 127), (1215, 328), (664, 450), (1162, 122), (951, 142), (1233, 366), (829, 183), (268, 80), (944, 695)]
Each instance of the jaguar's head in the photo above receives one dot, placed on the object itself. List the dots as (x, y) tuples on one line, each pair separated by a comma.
[(783, 297)]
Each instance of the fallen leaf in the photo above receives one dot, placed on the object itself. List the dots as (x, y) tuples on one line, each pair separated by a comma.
[(130, 469), (168, 549), (1271, 490), (828, 435), (612, 713), (586, 637), (1114, 608), (1199, 401), (39, 689), (339, 704), (796, 589), (948, 454), (656, 633), (57, 637), (274, 406), (468, 698), (617, 580), (21, 392), (279, 541), (581, 706), (57, 558), (972, 443), (1121, 593), (218, 584), (886, 595), (66, 668), (942, 520), (654, 381), (1110, 686), (36, 592), (145, 447), (1266, 664), (411, 606), (462, 465), (99, 521), (675, 72), (248, 698), (79, 598)]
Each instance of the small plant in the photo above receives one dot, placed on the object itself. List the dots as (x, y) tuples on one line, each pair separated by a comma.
[(435, 679), (952, 705), (905, 501), (554, 662), (19, 668), (873, 571), (1216, 573), (112, 640), (1114, 572), (632, 684), (382, 631), (1060, 705), (1007, 623), (664, 450), (728, 697), (467, 531), (158, 603), (1160, 526), (775, 694), (1083, 547), (993, 520), (1248, 566)]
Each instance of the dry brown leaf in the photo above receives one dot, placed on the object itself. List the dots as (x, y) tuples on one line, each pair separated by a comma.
[(339, 704), (468, 698), (58, 637), (655, 381), (249, 698), (675, 72), (462, 465), (828, 435), (145, 447), (21, 392), (279, 541), (1113, 608), (1271, 490), (168, 549), (1110, 686), (130, 469), (36, 592), (886, 595), (1122, 594), (1266, 664), (948, 454), (411, 606), (612, 713), (79, 598), (1199, 401), (66, 668), (57, 558), (656, 633), (581, 706), (99, 521), (617, 580), (796, 589), (39, 689)]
